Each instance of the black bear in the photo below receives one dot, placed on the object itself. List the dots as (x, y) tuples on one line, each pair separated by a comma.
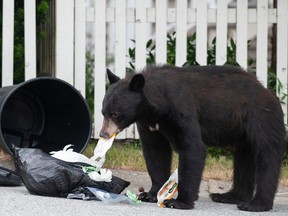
[(182, 109)]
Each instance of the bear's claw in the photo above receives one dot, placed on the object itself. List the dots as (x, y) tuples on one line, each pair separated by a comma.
[(147, 197)]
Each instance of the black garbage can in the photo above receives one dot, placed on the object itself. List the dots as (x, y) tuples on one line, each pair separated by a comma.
[(45, 113)]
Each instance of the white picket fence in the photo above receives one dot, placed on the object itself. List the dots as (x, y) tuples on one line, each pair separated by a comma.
[(72, 16)]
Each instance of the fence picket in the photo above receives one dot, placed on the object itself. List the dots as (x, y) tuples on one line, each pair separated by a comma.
[(282, 52), (181, 32), (140, 35), (262, 41), (7, 42), (65, 40), (80, 47), (201, 32), (99, 63), (221, 32), (120, 44), (161, 29), (30, 38), (140, 46), (241, 26)]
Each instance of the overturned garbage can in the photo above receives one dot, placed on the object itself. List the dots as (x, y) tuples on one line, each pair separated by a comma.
[(45, 113)]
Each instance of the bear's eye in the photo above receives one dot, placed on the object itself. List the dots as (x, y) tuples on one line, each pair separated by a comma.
[(115, 116)]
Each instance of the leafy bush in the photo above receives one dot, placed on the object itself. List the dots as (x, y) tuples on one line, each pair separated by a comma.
[(191, 52)]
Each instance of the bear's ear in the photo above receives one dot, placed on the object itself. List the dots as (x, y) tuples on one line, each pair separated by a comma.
[(112, 77), (137, 83)]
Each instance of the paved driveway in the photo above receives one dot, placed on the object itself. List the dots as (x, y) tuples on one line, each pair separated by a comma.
[(17, 201)]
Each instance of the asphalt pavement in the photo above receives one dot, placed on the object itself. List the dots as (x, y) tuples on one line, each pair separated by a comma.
[(18, 201)]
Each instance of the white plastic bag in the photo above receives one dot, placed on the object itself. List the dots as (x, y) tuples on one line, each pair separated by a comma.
[(68, 155), (104, 175), (102, 147)]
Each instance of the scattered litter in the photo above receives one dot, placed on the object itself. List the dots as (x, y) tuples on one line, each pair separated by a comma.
[(102, 147), (48, 176), (133, 197), (98, 175), (81, 196), (141, 189), (169, 189), (72, 175), (68, 155), (96, 162), (108, 198)]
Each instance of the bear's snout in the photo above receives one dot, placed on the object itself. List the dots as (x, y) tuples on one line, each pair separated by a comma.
[(108, 128), (104, 134)]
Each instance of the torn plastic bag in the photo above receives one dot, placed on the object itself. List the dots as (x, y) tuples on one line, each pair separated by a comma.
[(69, 155), (93, 193), (48, 176), (9, 178)]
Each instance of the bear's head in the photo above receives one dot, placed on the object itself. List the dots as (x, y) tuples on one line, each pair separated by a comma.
[(122, 104)]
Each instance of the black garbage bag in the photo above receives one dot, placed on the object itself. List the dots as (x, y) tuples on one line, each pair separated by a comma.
[(9, 178), (48, 176)]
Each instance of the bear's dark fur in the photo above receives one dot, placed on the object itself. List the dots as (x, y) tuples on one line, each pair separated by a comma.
[(185, 108)]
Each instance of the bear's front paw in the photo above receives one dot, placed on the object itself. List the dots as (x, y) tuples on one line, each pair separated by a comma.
[(147, 197), (174, 203), (228, 197)]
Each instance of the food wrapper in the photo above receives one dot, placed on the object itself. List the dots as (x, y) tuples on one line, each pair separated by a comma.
[(169, 189), (102, 147)]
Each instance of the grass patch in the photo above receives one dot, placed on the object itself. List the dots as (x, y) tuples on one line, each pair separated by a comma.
[(122, 156), (129, 156), (218, 168), (284, 175), (4, 155)]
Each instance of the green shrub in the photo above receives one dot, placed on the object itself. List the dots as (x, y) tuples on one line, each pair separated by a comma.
[(191, 52)]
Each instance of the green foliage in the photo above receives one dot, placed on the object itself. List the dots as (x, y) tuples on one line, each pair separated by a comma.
[(191, 52), (42, 9), (90, 81), (219, 152), (276, 85)]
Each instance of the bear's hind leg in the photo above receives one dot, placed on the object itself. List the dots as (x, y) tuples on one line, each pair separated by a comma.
[(244, 177), (268, 137), (267, 174)]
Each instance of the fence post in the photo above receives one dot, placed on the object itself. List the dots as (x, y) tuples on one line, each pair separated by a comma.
[(100, 63), (241, 25), (65, 40), (30, 38), (181, 33), (80, 47), (282, 51), (221, 32), (161, 28), (140, 55), (7, 42), (262, 41), (120, 44), (201, 32)]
